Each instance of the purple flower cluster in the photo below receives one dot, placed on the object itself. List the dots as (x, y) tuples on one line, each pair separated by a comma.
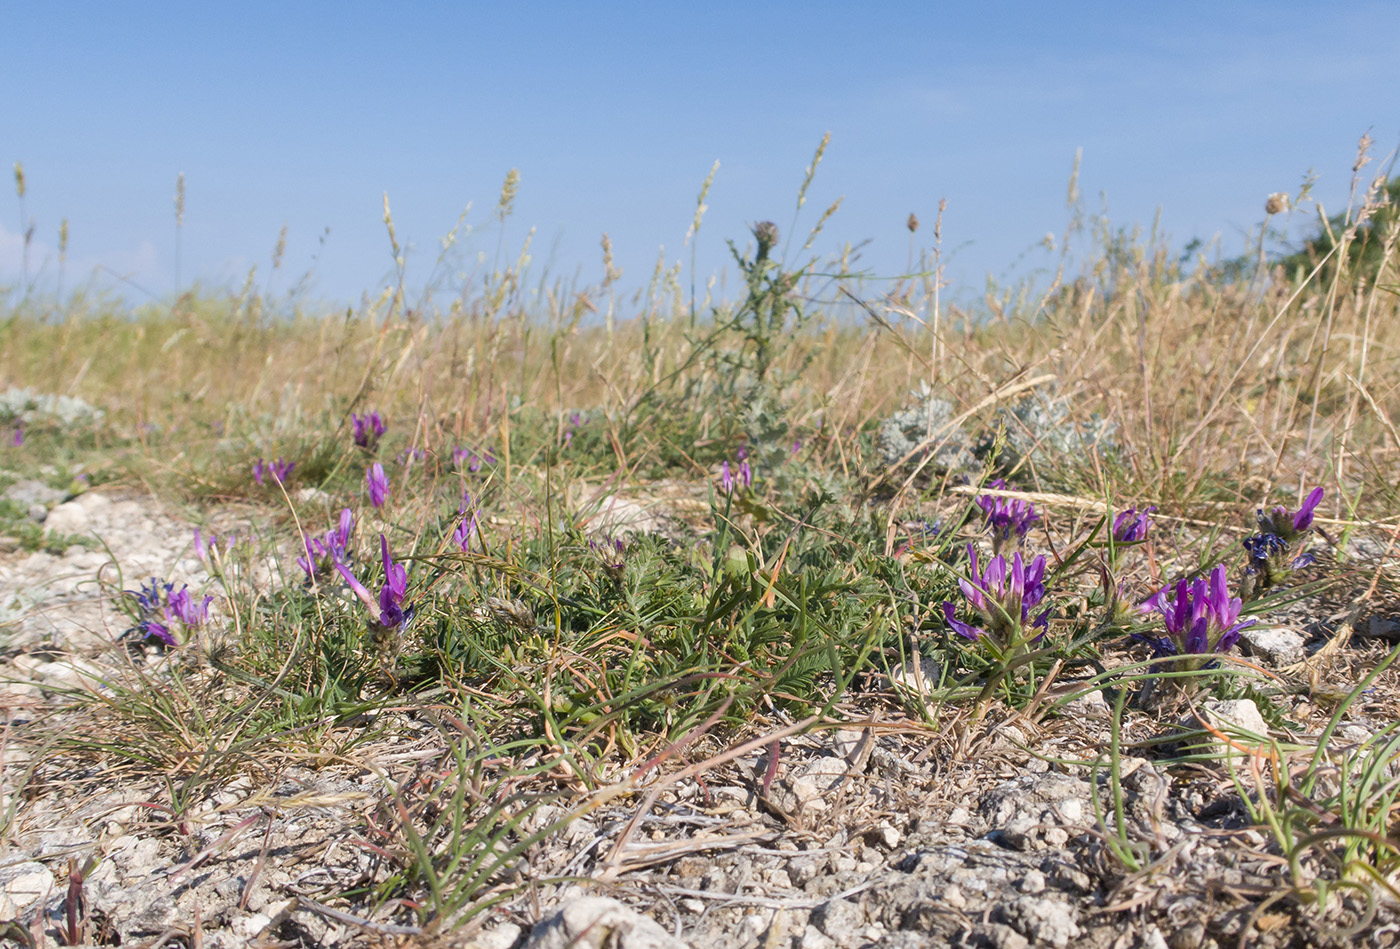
[(410, 455), (17, 436), (466, 527), (1130, 527), (325, 552), (728, 480), (1003, 596), (1275, 552), (1199, 616), (160, 606), (279, 469), (378, 484), (392, 612), (206, 549), (467, 460), (575, 422), (368, 429), (1289, 525), (1007, 517), (613, 554)]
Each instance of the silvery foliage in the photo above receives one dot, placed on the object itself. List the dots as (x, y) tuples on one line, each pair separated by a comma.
[(28, 406), (769, 441), (1041, 422), (925, 418)]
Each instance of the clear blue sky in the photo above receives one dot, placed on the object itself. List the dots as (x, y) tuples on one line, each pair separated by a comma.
[(305, 113)]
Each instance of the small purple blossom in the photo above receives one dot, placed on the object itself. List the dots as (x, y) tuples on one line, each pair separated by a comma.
[(466, 460), (17, 437), (1286, 524), (159, 607), (796, 447), (1199, 616), (1007, 517), (378, 484), (182, 606), (1271, 561), (613, 553), (206, 549), (1003, 596), (368, 429), (392, 613), (279, 469), (1130, 526), (575, 422), (739, 475), (323, 553), (466, 527)]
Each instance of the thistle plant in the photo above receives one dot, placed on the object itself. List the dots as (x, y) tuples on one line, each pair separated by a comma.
[(1003, 596), (1007, 518), (1200, 620), (1277, 550), (367, 429)]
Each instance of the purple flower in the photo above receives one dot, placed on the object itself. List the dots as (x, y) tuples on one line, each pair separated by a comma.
[(159, 607), (183, 607), (613, 554), (17, 438), (1287, 524), (391, 610), (1199, 617), (378, 484), (279, 469), (726, 478), (368, 429), (796, 446), (467, 460), (461, 537), (745, 473), (575, 422), (1007, 517), (1130, 527), (1271, 562), (206, 549), (1003, 596), (322, 554)]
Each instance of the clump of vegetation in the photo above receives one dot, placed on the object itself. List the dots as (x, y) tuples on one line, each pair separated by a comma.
[(445, 532)]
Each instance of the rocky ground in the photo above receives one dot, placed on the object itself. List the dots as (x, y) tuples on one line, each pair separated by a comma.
[(880, 832)]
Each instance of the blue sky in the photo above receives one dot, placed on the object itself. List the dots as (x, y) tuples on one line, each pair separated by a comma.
[(305, 114)]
